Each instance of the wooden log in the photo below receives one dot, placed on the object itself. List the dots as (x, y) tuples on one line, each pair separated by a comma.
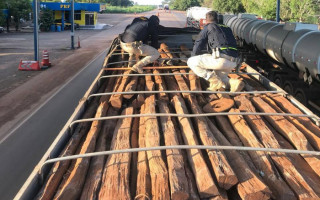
[(312, 137), (223, 172), (137, 103), (288, 107), (292, 176), (131, 86), (177, 174), (93, 179), (59, 168), (250, 184), (261, 160), (160, 86), (193, 192), (226, 178), (116, 99), (289, 131), (158, 170), (196, 86), (143, 191), (205, 183), (227, 130), (115, 180), (220, 105), (304, 168), (134, 161), (71, 186)]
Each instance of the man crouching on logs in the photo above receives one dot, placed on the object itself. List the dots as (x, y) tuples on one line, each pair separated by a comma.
[(216, 66), (134, 41)]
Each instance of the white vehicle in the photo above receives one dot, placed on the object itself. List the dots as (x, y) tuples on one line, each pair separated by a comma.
[(1, 29), (195, 15)]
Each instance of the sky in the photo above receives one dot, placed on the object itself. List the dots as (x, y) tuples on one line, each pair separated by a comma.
[(148, 2)]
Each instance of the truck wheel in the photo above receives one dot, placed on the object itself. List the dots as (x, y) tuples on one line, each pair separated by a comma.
[(301, 96), (288, 86), (278, 80)]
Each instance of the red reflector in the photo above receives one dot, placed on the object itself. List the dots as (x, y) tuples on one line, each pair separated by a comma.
[(257, 61)]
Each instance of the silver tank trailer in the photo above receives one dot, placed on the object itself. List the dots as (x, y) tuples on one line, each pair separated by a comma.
[(307, 54), (274, 41), (253, 32), (261, 35), (247, 29)]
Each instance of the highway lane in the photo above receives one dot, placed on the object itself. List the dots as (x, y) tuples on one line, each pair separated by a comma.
[(23, 150), (25, 145)]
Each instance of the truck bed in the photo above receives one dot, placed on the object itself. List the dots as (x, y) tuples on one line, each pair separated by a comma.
[(161, 135)]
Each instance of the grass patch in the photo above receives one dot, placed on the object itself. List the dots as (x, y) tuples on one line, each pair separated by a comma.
[(130, 9)]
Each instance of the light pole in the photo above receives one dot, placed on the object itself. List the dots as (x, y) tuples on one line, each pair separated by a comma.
[(278, 11), (72, 24), (35, 30)]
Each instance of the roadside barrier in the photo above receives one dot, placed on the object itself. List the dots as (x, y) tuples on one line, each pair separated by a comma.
[(29, 65)]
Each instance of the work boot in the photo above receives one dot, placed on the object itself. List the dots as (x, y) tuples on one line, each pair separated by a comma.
[(236, 85), (215, 83), (137, 69)]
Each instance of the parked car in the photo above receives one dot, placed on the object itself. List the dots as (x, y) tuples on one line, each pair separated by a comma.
[(67, 24), (160, 7), (1, 29)]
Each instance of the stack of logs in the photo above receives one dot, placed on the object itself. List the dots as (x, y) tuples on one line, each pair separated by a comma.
[(187, 174)]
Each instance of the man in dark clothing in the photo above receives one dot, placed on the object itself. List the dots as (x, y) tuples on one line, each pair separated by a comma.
[(135, 38), (219, 41)]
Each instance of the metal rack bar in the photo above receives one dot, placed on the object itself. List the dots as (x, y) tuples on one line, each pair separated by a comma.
[(190, 115), (127, 61), (205, 147), (166, 74), (125, 53), (155, 67), (183, 91)]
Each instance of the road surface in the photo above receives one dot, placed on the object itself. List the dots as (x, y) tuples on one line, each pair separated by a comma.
[(23, 145)]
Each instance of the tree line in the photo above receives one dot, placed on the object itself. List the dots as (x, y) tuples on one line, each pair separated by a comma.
[(290, 10)]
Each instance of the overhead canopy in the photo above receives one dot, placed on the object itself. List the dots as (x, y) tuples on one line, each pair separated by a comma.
[(67, 6)]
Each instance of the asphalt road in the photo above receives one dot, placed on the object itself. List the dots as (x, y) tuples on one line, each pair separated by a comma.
[(20, 153), (24, 146)]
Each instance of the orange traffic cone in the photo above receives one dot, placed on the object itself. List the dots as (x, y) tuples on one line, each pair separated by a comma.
[(45, 60), (79, 42)]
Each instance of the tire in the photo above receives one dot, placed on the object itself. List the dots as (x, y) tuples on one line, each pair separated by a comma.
[(301, 96)]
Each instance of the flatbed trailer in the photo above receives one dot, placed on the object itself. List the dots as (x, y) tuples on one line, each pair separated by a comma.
[(161, 135)]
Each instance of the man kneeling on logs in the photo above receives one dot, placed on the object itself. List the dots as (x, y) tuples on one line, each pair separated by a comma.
[(134, 41), (216, 66)]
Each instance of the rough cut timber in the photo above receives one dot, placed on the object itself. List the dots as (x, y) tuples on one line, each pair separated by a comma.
[(177, 174), (158, 170), (160, 86), (131, 86), (312, 137), (71, 187), (93, 180), (116, 99), (250, 185), (288, 107), (143, 191), (289, 131), (134, 141), (223, 172), (115, 180), (205, 183), (292, 176), (261, 160)]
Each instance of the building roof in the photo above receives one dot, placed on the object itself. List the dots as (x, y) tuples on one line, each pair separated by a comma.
[(67, 6)]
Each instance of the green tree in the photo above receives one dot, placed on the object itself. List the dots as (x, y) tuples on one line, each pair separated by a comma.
[(19, 9), (184, 4), (46, 19), (229, 6)]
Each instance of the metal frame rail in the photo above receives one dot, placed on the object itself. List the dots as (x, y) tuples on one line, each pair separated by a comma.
[(192, 115), (204, 147)]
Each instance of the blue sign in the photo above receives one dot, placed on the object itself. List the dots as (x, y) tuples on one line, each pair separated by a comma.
[(67, 6), (5, 12)]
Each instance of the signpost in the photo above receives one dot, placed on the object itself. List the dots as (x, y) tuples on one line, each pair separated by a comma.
[(278, 11)]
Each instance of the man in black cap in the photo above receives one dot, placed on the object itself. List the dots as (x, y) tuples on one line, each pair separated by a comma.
[(215, 66), (135, 38)]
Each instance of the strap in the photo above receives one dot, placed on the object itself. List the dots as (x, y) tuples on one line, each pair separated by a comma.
[(226, 48)]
